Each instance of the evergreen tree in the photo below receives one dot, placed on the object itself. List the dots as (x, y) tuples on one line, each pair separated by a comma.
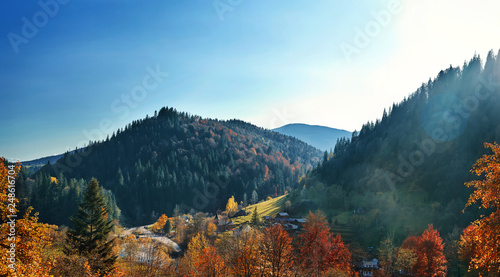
[(255, 197), (255, 217), (89, 238), (168, 227)]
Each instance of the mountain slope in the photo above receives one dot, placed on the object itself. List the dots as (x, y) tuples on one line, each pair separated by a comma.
[(174, 159), (43, 161), (321, 137), (408, 169), (36, 164)]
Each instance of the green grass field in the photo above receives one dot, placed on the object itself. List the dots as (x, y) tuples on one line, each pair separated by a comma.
[(266, 208)]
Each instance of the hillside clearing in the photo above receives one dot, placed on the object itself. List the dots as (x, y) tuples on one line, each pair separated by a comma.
[(266, 208)]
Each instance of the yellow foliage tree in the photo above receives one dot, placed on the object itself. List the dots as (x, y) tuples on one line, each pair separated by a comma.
[(195, 247), (197, 244), (211, 228), (160, 223), (22, 240), (72, 266), (231, 206)]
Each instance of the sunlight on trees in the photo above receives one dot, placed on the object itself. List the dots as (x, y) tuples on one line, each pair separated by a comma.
[(89, 238), (319, 250), (480, 241), (277, 251), (30, 239), (231, 206)]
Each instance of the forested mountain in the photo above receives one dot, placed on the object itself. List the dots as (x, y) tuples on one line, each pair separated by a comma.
[(56, 198), (408, 169), (36, 164), (321, 137), (174, 158)]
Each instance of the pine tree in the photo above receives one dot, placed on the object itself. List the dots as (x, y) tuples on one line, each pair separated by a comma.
[(168, 227), (255, 217), (255, 197), (89, 238)]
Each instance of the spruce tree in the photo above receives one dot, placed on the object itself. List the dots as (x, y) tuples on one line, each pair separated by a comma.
[(255, 197), (89, 238), (255, 217), (168, 227)]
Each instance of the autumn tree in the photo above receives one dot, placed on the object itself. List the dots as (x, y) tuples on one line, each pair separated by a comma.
[(480, 241), (180, 229), (89, 238), (160, 223), (319, 250), (130, 251), (405, 261), (209, 264), (246, 258), (73, 265), (197, 244), (410, 242), (231, 206), (387, 254), (406, 258), (211, 229), (429, 251), (25, 237), (277, 251), (195, 247)]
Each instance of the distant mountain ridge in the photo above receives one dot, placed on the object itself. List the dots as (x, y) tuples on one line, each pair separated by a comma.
[(43, 161), (321, 137)]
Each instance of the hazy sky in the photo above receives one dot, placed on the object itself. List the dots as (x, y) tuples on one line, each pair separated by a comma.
[(74, 71)]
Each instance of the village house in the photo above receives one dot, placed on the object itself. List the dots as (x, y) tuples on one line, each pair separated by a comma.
[(224, 223), (368, 267), (241, 230), (288, 223)]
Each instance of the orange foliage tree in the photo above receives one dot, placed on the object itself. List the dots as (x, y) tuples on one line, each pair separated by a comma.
[(429, 250), (276, 247), (246, 258), (22, 240), (160, 223), (430, 254), (480, 242), (319, 250), (209, 264), (195, 247)]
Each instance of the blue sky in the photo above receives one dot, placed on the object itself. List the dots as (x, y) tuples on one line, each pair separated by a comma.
[(89, 66)]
